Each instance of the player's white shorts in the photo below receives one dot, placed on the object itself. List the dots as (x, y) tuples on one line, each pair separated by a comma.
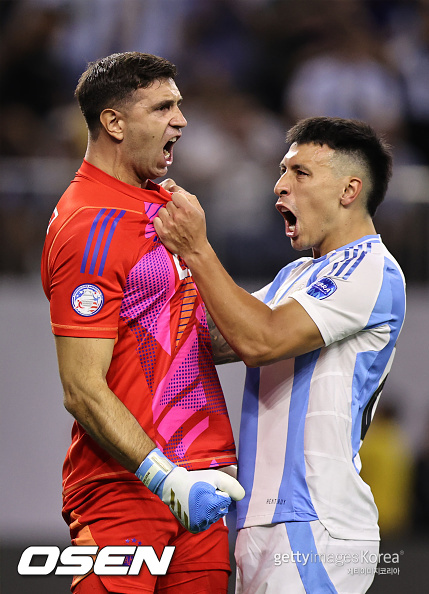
[(302, 558)]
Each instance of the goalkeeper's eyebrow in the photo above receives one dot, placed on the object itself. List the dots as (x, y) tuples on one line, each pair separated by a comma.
[(167, 104)]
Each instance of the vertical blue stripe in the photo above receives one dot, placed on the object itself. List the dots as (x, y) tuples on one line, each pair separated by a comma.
[(248, 440), (90, 238), (100, 239), (293, 488), (313, 573), (369, 367), (108, 241)]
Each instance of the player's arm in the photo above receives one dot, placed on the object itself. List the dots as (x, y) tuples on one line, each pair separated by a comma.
[(258, 334), (83, 365), (200, 497), (222, 352)]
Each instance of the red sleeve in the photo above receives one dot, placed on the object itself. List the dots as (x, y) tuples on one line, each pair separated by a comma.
[(88, 263)]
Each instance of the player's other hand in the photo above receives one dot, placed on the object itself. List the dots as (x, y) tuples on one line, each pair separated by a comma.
[(196, 498)]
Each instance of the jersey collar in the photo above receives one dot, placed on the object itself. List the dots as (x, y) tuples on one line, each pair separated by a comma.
[(157, 192)]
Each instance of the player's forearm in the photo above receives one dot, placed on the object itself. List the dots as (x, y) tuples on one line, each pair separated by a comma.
[(243, 320), (108, 422), (222, 351), (83, 365)]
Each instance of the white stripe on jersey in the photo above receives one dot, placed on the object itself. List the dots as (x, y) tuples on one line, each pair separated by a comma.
[(276, 386)]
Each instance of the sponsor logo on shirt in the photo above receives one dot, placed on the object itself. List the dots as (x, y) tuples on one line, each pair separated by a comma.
[(322, 288), (87, 300)]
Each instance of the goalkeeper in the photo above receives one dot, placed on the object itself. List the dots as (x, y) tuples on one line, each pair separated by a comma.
[(151, 432)]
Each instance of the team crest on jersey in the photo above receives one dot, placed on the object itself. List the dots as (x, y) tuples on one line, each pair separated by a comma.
[(87, 300), (323, 288)]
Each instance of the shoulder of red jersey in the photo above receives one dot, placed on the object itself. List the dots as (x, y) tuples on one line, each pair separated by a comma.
[(91, 218)]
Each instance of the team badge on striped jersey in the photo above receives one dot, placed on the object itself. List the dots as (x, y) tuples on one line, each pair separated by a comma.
[(87, 300), (322, 288)]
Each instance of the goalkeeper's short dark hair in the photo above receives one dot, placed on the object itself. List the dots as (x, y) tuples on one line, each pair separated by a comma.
[(110, 81)]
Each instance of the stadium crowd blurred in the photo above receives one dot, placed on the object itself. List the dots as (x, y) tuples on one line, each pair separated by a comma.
[(247, 70)]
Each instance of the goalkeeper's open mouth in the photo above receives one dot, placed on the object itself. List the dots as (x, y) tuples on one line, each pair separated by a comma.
[(168, 150)]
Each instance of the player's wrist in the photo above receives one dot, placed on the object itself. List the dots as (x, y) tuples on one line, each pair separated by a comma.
[(199, 257), (154, 470)]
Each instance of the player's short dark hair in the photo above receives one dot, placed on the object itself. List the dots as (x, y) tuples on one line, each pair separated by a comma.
[(355, 139), (109, 81)]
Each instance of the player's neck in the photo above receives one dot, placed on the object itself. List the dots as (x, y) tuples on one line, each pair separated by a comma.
[(112, 164), (344, 236)]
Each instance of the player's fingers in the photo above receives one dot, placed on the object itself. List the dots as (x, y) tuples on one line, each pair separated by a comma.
[(171, 186), (162, 215), (167, 184), (229, 485), (161, 222), (158, 226), (195, 202), (185, 200), (170, 208), (180, 198)]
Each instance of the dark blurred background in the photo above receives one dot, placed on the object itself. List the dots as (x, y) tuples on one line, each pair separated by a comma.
[(247, 70)]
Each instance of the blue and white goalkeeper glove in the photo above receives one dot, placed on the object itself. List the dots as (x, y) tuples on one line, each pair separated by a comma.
[(197, 498)]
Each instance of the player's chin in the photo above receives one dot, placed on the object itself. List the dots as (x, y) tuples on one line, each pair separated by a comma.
[(158, 172), (297, 245)]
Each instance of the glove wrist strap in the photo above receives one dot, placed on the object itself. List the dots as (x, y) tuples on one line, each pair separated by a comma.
[(154, 469)]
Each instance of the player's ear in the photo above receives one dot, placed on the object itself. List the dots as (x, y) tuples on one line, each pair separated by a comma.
[(352, 189), (113, 123)]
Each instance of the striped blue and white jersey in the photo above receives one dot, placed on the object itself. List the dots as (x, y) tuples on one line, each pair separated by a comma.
[(303, 419)]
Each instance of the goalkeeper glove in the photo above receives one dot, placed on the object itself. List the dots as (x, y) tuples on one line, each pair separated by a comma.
[(196, 498)]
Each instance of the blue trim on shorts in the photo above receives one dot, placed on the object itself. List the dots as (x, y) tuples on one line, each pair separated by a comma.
[(313, 573)]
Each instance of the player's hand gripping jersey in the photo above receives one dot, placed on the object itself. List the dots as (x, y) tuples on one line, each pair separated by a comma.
[(107, 275)]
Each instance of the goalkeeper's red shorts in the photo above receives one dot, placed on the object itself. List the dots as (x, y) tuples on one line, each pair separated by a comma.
[(127, 513)]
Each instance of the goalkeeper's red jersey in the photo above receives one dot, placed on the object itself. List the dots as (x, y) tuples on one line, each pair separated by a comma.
[(107, 275)]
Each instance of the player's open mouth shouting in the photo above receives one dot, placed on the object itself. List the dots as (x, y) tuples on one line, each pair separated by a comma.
[(291, 222), (168, 149)]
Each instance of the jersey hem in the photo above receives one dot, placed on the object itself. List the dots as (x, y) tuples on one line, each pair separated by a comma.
[(370, 534), (83, 332)]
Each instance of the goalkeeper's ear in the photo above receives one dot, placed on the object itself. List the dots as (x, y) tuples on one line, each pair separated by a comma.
[(112, 121)]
